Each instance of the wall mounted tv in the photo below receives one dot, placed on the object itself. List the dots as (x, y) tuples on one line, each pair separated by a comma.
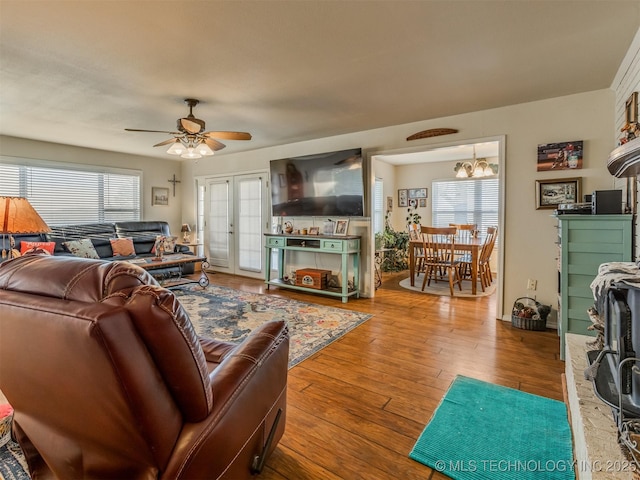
[(324, 185)]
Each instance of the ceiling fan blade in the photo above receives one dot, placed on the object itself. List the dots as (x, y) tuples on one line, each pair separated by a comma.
[(189, 126), (228, 135), (152, 131), (166, 142), (214, 144)]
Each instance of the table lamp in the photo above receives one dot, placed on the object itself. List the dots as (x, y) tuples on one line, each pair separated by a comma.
[(186, 230), (18, 216)]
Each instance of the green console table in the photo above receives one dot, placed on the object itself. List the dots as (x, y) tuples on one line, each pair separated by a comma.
[(584, 243), (348, 247)]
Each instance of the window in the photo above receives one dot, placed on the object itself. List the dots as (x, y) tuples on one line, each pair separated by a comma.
[(378, 206), (466, 201), (67, 195)]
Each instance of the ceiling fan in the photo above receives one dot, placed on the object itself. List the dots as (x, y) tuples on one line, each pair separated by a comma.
[(191, 141)]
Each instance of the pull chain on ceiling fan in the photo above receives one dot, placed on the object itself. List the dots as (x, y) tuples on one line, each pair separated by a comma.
[(190, 141)]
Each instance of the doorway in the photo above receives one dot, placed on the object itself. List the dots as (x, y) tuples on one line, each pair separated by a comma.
[(234, 220), (421, 167)]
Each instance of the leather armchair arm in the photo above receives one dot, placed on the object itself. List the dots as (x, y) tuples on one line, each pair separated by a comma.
[(249, 387)]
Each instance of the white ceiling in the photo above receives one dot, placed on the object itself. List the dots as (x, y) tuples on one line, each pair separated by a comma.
[(80, 72)]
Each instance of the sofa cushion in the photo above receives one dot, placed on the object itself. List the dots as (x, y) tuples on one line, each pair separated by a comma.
[(122, 247), (48, 246), (82, 248)]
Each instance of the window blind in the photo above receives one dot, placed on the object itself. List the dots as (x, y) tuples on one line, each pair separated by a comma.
[(378, 206), (466, 201), (69, 196)]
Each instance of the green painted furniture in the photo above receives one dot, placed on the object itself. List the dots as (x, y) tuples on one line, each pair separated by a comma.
[(584, 243), (348, 247)]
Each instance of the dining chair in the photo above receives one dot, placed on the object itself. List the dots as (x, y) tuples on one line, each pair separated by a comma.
[(438, 243), (464, 233), (415, 233), (484, 259)]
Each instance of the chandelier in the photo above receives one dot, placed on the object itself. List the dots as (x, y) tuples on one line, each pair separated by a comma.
[(478, 168), (190, 147)]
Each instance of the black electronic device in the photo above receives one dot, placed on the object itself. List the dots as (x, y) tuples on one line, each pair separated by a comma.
[(324, 185), (604, 202)]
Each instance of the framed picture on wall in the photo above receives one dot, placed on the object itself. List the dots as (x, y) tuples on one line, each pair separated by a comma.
[(422, 202), (389, 204), (551, 193), (560, 156), (159, 196), (417, 193), (402, 197)]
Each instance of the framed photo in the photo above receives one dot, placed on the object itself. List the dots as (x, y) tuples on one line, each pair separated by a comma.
[(389, 204), (413, 202), (417, 193), (328, 227), (551, 193), (422, 202), (402, 197), (631, 108), (341, 227), (314, 230), (560, 156), (159, 196)]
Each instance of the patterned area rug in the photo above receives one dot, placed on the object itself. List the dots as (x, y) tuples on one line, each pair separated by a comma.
[(227, 314)]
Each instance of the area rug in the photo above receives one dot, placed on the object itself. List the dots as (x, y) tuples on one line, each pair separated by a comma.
[(227, 314), (13, 465), (442, 288), (485, 431)]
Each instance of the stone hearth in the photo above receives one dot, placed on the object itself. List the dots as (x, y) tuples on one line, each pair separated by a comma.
[(597, 453)]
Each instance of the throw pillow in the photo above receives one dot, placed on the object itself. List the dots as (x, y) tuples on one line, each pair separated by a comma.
[(122, 246), (48, 246), (82, 248), (169, 243)]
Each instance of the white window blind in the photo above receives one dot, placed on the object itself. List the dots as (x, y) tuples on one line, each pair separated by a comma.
[(68, 196), (378, 206), (466, 201), (249, 230)]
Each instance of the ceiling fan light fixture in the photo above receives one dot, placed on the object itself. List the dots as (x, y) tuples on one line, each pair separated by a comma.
[(176, 148), (191, 153), (204, 150)]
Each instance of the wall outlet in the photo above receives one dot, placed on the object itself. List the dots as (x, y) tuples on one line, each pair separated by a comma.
[(532, 284)]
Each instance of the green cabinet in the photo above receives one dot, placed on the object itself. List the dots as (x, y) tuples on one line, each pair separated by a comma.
[(584, 243), (348, 247)]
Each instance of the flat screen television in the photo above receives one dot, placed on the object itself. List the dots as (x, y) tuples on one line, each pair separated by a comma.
[(324, 185)]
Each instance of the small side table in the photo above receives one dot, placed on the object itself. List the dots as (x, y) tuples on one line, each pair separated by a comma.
[(192, 246), (380, 258)]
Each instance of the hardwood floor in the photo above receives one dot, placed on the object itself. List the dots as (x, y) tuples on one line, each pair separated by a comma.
[(356, 408)]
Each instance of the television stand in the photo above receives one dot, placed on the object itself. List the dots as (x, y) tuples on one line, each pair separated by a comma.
[(348, 247)]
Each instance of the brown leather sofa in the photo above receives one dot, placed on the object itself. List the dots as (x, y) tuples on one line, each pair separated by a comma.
[(109, 380)]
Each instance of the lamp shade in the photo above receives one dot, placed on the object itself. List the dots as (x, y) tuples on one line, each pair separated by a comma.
[(18, 216), (185, 228)]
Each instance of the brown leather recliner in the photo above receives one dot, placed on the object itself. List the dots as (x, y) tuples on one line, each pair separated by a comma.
[(109, 380)]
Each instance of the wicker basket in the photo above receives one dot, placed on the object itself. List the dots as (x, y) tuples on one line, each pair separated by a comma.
[(529, 314)]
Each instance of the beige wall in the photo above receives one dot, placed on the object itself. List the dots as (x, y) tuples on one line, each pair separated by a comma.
[(155, 172), (529, 234)]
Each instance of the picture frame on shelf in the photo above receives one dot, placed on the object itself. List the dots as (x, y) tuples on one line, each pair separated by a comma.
[(160, 196), (341, 227), (551, 193), (402, 197), (314, 230), (328, 227)]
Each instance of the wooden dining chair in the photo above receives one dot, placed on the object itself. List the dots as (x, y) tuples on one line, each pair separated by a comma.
[(464, 233), (438, 243), (415, 233), (484, 259)]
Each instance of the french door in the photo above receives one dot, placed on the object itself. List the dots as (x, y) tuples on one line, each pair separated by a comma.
[(235, 219)]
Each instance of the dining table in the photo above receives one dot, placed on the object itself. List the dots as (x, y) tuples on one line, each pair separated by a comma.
[(471, 245)]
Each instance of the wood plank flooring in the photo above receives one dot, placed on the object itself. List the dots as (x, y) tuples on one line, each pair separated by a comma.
[(356, 408)]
